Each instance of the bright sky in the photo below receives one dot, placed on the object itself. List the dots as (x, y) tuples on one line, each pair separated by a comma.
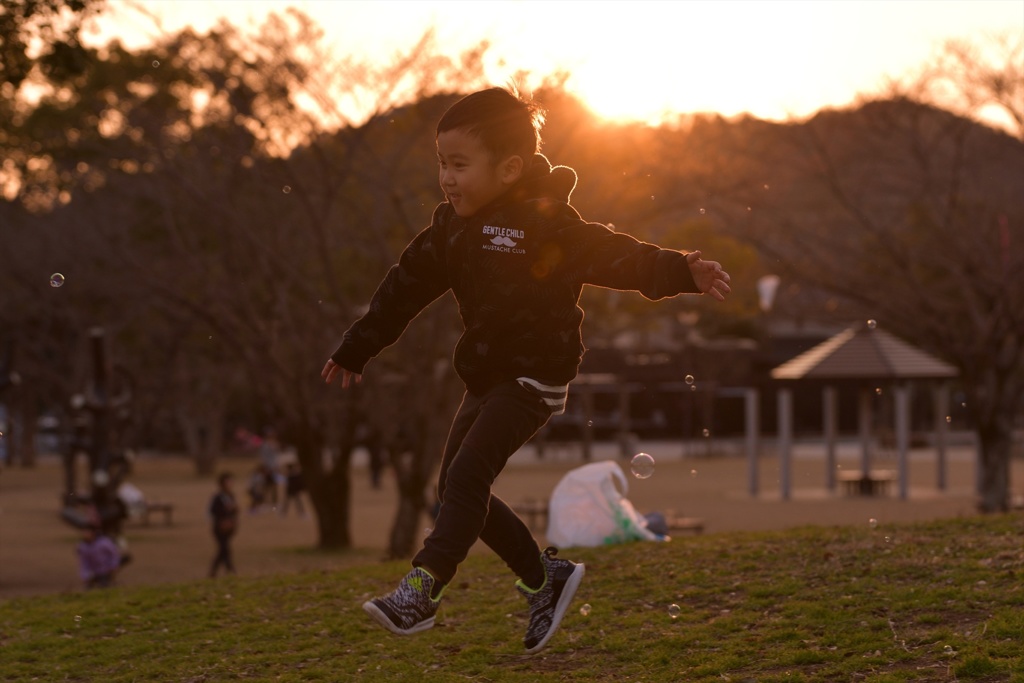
[(639, 59)]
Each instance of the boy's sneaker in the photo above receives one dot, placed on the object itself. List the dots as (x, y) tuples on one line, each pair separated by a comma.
[(409, 608), (549, 603)]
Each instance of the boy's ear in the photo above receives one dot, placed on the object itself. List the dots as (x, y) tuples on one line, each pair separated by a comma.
[(512, 168)]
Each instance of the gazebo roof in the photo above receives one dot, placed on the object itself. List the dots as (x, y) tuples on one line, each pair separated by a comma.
[(864, 353)]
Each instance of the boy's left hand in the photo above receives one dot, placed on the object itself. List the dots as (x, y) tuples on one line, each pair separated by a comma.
[(332, 370), (708, 276)]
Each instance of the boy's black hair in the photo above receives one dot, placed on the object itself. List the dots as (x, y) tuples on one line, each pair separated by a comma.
[(505, 122)]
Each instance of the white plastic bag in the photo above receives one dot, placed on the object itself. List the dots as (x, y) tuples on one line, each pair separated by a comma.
[(587, 509)]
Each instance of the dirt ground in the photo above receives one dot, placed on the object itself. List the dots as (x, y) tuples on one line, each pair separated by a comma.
[(37, 548)]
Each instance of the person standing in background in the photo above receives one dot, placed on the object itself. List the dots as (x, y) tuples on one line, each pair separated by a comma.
[(293, 488), (270, 453), (224, 516)]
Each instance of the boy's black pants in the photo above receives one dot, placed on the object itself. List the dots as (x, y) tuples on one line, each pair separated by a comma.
[(486, 431)]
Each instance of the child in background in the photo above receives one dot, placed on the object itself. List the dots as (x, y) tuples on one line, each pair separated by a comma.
[(224, 518), (516, 255), (270, 454), (99, 558), (293, 488), (257, 489)]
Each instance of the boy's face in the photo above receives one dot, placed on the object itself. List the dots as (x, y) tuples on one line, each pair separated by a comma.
[(467, 173)]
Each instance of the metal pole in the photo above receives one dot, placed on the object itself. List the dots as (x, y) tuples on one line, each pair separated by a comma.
[(864, 417), (587, 395), (941, 432), (829, 417), (99, 401), (785, 418), (625, 441), (903, 436), (752, 428)]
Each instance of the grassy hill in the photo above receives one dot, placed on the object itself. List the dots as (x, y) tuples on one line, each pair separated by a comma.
[(938, 601)]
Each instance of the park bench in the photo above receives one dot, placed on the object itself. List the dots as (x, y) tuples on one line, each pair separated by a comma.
[(680, 523), (140, 508), (876, 483), (159, 508), (534, 511)]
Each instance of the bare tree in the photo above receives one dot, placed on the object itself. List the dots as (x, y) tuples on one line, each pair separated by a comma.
[(974, 79), (222, 230), (298, 254), (905, 213)]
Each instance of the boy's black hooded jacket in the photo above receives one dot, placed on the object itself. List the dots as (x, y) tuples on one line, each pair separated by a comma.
[(517, 268)]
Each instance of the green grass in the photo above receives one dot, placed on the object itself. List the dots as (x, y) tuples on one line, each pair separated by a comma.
[(937, 601)]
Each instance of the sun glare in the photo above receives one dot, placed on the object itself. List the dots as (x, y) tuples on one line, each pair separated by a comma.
[(692, 57), (652, 61), (775, 60)]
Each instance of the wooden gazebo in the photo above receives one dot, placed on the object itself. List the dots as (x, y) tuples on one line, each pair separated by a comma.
[(869, 358)]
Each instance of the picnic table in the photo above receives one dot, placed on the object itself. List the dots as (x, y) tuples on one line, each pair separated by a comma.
[(874, 483)]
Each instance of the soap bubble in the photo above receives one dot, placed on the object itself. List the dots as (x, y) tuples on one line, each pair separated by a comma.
[(706, 433), (872, 324), (642, 465), (674, 611), (156, 63), (702, 212), (689, 379), (56, 280), (286, 189), (873, 523), (585, 610)]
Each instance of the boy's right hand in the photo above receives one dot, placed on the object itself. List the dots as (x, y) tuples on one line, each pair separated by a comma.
[(331, 370), (708, 276)]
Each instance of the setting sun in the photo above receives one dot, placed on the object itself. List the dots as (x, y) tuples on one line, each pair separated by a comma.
[(643, 60)]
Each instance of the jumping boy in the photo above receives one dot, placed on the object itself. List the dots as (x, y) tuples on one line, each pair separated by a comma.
[(516, 255)]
